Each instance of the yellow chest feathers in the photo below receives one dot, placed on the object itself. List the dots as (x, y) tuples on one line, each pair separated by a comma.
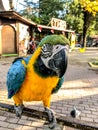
[(37, 88)]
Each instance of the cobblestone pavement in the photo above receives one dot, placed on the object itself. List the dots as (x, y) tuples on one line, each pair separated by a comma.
[(80, 89)]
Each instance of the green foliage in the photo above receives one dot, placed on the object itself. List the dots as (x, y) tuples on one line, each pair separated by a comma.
[(90, 6), (96, 24), (49, 9), (95, 62), (74, 17), (82, 17), (93, 29), (30, 11), (89, 9)]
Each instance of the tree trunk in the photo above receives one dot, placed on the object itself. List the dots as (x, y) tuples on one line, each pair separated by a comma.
[(85, 26)]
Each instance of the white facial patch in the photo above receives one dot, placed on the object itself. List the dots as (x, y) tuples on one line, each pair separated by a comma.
[(55, 50)]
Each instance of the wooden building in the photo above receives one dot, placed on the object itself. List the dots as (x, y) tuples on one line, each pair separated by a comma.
[(13, 29)]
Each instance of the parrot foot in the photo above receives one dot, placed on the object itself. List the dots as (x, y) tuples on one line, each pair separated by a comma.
[(51, 117), (18, 109)]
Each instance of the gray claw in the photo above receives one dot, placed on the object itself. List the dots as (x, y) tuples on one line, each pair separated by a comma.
[(18, 110), (52, 118), (52, 125)]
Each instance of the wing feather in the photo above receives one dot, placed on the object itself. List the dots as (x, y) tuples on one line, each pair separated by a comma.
[(15, 77), (59, 85)]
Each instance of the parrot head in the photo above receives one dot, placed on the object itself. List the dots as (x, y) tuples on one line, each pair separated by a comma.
[(53, 53)]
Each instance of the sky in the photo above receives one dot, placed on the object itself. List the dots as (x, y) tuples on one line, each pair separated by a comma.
[(17, 6)]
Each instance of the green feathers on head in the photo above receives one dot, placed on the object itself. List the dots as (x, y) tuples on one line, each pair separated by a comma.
[(54, 39)]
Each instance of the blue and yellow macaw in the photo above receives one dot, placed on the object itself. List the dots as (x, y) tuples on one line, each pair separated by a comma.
[(36, 77)]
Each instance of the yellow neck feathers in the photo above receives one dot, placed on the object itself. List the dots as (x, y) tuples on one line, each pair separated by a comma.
[(34, 57)]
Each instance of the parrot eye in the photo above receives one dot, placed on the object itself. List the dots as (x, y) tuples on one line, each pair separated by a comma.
[(57, 47)]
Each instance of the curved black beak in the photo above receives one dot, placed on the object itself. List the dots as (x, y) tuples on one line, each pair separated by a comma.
[(59, 62)]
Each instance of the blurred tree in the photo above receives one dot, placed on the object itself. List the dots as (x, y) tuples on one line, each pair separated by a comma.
[(74, 16), (89, 9), (49, 9), (82, 17), (96, 24), (30, 10)]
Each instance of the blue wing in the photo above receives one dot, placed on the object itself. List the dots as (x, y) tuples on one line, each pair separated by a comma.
[(59, 85), (16, 76)]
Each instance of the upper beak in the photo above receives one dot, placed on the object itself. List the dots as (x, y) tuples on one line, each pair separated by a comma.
[(59, 63)]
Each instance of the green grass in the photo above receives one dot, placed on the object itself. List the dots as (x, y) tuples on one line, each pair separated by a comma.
[(9, 54), (94, 64)]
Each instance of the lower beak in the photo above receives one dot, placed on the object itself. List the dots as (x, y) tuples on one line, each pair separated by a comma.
[(59, 63)]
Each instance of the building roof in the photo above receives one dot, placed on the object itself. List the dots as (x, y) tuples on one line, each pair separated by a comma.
[(54, 28), (16, 16)]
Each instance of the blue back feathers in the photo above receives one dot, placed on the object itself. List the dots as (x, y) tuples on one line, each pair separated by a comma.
[(16, 76)]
